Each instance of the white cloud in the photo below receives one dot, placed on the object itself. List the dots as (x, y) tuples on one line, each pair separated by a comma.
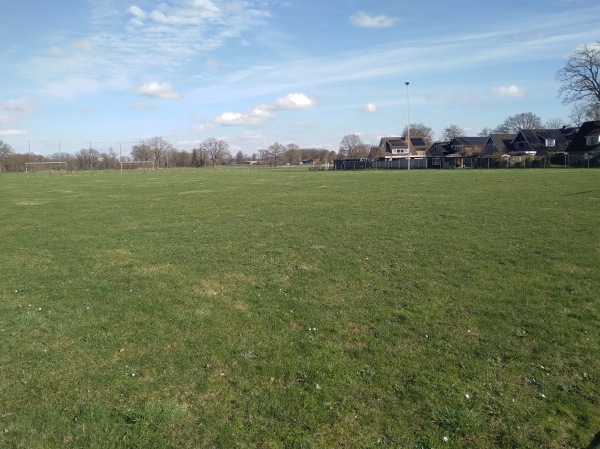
[(55, 51), (138, 16), (12, 132), (158, 90), (137, 12), (263, 112), (369, 107), (255, 117), (198, 11), (160, 17), (292, 101), (508, 91), (364, 20)]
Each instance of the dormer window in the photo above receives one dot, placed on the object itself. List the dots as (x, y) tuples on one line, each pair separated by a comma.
[(550, 142), (592, 140)]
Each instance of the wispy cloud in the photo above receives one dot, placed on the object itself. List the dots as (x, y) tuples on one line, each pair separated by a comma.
[(12, 132), (453, 52), (129, 43), (508, 91), (83, 45), (364, 20), (458, 98), (15, 110), (142, 105), (72, 87)]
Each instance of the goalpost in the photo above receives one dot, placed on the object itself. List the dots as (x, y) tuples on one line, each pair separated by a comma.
[(46, 167), (138, 165)]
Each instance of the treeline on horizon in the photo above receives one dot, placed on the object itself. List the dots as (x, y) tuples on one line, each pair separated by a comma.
[(213, 152)]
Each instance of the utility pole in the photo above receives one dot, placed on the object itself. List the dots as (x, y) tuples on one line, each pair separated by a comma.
[(408, 123)]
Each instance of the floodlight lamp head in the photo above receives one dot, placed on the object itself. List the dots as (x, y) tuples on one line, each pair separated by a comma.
[(406, 83)]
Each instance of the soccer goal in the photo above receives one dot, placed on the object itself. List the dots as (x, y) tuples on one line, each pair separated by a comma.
[(137, 165), (45, 167)]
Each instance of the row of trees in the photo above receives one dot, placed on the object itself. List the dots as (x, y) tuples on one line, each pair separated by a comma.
[(211, 152)]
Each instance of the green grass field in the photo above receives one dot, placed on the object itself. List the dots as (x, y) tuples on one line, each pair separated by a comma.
[(275, 309)]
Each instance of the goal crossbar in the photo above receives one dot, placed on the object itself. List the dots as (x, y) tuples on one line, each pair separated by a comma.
[(137, 165), (45, 166)]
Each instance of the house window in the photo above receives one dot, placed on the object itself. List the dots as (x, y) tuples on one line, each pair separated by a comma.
[(437, 161), (550, 142), (592, 140)]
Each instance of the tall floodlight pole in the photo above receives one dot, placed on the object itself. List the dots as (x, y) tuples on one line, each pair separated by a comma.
[(408, 123)]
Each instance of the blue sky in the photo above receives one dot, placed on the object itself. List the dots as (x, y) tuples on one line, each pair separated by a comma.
[(258, 71)]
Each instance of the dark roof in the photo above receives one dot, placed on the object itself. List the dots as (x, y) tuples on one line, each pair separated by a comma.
[(579, 144), (417, 142), (536, 138), (395, 143), (392, 142), (502, 144), (440, 149), (468, 141)]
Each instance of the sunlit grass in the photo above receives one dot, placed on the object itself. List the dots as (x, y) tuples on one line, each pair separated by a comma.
[(266, 308)]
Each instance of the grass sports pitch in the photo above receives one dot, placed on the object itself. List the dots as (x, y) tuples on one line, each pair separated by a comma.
[(279, 309)]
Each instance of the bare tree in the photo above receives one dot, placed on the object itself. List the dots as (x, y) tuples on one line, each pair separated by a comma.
[(198, 158), (275, 151), (451, 132), (580, 77), (159, 149), (109, 160), (5, 151), (141, 152), (216, 150), (419, 130), (87, 158), (554, 123), (375, 152), (352, 147), (485, 132), (524, 120), (581, 113), (292, 153), (180, 158), (240, 158)]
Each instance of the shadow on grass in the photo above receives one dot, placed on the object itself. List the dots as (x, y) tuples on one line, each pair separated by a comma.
[(595, 443)]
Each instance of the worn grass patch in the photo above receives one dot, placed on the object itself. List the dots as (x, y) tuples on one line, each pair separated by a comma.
[(276, 309)]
